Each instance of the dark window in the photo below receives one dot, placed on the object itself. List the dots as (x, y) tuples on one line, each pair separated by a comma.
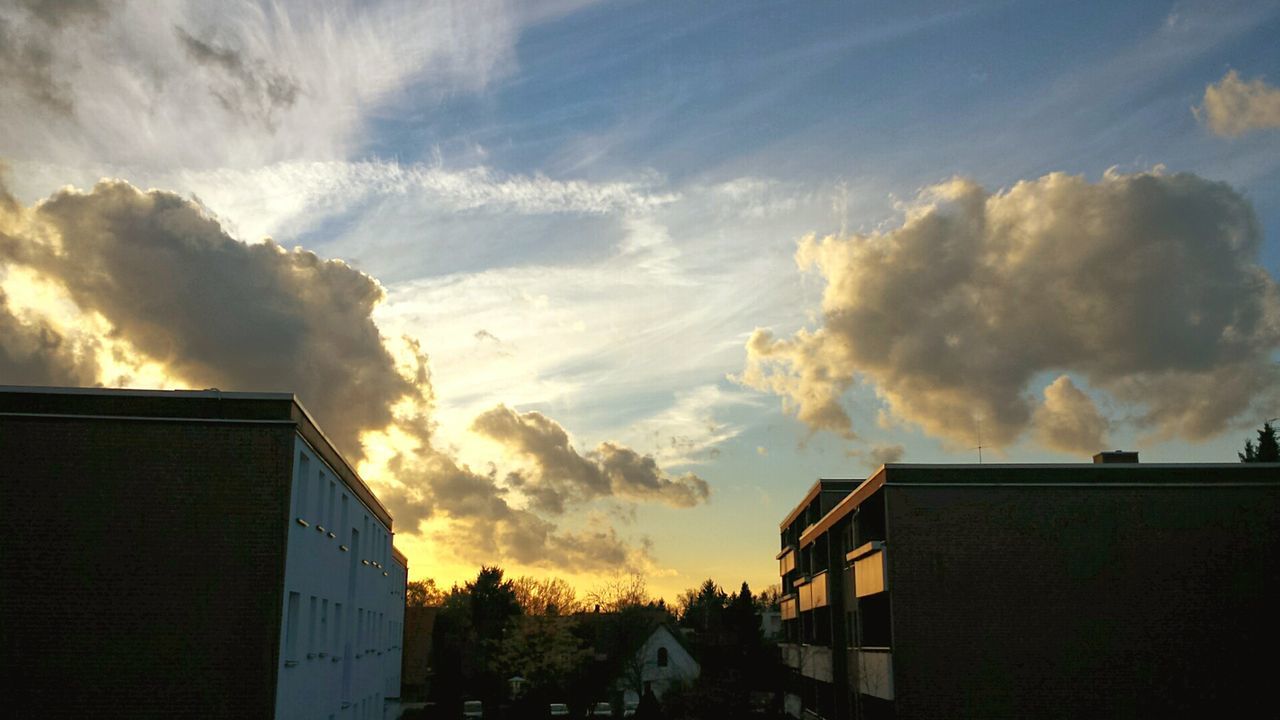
[(870, 522), (662, 657), (873, 614)]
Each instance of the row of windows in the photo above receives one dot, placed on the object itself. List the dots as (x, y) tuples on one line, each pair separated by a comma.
[(324, 630), (317, 499)]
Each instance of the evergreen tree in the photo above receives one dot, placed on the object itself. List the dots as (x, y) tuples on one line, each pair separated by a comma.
[(1267, 449)]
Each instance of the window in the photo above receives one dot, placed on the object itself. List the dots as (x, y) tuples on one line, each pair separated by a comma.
[(291, 630), (320, 509), (344, 526), (662, 657), (873, 616), (324, 627), (332, 508), (304, 480), (311, 629), (338, 623)]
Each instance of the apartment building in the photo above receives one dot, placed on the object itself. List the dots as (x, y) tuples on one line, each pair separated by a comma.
[(191, 554), (1112, 589)]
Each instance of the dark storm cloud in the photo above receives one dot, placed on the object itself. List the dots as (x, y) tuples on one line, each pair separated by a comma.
[(1146, 286)]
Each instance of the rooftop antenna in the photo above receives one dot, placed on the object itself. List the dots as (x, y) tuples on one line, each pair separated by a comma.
[(978, 420)]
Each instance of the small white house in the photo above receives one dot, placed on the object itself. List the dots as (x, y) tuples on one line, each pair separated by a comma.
[(663, 663)]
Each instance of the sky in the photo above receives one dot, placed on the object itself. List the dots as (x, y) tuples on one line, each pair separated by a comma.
[(592, 288)]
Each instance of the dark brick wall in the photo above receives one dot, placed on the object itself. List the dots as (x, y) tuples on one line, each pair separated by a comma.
[(142, 566), (1084, 601)]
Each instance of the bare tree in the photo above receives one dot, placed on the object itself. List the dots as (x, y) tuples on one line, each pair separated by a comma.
[(547, 596), (620, 592)]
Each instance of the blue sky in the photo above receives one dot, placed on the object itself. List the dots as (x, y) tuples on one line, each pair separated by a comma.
[(584, 210)]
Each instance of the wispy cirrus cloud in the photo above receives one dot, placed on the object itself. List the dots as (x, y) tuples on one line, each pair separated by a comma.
[(257, 82)]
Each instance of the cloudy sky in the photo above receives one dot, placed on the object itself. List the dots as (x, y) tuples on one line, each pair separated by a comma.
[(595, 287)]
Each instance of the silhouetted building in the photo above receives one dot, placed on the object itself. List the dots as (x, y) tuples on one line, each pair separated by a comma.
[(1108, 590), (190, 554), (419, 626)]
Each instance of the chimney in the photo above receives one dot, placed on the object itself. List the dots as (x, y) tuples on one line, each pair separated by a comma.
[(1116, 456)]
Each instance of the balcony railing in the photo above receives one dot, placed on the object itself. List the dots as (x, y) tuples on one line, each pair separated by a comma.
[(812, 661), (786, 562), (871, 672), (868, 569), (818, 589), (789, 609)]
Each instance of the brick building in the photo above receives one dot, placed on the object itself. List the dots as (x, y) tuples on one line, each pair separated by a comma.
[(190, 554), (1104, 590)]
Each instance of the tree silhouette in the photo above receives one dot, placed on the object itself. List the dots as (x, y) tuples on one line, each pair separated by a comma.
[(1267, 449), (422, 593)]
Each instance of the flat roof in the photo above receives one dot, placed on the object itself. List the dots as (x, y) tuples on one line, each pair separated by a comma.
[(822, 485), (210, 405), (1100, 475)]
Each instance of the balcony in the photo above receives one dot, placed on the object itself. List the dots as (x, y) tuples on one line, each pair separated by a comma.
[(871, 672), (786, 561), (818, 589), (812, 661), (868, 569), (813, 592), (788, 607)]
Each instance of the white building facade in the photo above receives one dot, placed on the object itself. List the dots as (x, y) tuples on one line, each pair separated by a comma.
[(343, 609)]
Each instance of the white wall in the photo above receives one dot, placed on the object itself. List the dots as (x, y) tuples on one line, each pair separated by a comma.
[(681, 668), (343, 610)]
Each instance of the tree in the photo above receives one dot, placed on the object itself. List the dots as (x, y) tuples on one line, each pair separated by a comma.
[(1267, 449), (770, 598), (742, 620), (423, 593), (551, 596), (493, 603), (703, 609), (544, 651), (620, 592), (470, 627)]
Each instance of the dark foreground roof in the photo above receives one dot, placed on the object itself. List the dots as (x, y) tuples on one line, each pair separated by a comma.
[(194, 406)]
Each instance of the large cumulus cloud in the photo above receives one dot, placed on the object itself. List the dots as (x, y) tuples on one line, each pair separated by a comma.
[(219, 313), (485, 525), (562, 475), (171, 287), (1147, 286)]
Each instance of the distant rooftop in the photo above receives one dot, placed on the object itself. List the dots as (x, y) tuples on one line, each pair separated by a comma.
[(1100, 475)]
